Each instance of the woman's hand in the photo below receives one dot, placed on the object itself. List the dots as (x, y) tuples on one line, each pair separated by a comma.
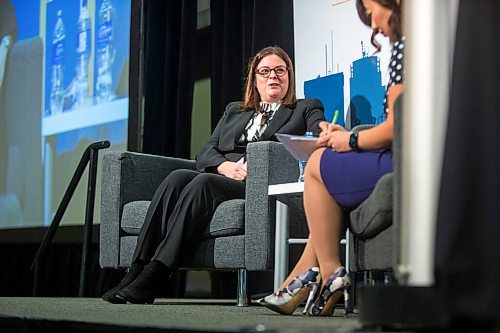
[(327, 128), (233, 170), (334, 136), (337, 140)]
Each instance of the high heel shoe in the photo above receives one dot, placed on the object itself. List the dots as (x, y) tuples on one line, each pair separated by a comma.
[(333, 289), (286, 301)]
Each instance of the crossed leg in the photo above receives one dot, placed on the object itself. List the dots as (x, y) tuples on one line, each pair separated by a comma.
[(325, 221)]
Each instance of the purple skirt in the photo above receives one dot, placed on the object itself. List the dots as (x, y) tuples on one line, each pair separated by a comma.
[(350, 177)]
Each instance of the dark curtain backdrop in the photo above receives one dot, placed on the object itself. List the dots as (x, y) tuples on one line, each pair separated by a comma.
[(169, 72), (468, 229), (240, 29)]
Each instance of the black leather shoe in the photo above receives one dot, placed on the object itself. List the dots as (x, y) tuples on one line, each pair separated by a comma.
[(132, 273), (143, 289), (136, 296), (110, 296)]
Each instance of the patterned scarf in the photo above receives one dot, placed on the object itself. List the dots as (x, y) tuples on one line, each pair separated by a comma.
[(258, 124), (267, 110)]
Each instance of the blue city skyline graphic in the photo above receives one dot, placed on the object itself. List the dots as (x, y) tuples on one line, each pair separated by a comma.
[(366, 92)]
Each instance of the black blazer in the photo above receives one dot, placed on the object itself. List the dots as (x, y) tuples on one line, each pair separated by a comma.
[(223, 144)]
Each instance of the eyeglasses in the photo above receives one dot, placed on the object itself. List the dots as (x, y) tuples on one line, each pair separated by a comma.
[(266, 71)]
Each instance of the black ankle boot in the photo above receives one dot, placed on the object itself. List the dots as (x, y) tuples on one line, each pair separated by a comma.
[(135, 269), (143, 289)]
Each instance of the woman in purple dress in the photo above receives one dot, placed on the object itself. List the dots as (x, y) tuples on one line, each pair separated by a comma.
[(339, 177)]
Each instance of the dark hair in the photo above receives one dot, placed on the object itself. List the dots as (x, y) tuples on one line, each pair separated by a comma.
[(394, 21), (252, 97)]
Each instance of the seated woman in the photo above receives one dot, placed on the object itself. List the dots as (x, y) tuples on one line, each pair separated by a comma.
[(186, 200), (339, 177)]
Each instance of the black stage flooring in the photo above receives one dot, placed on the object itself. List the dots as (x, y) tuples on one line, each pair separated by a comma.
[(29, 314)]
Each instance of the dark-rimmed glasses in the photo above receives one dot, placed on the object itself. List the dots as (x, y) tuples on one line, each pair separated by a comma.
[(266, 71)]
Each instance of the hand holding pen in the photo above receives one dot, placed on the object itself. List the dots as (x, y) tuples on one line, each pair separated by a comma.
[(330, 132), (327, 128)]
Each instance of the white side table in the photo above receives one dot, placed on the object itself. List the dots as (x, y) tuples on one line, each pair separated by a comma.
[(282, 193)]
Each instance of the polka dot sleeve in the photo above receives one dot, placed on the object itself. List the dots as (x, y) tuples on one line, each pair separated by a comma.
[(396, 67)]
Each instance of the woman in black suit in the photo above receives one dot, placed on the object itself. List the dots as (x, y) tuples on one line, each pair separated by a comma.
[(186, 200)]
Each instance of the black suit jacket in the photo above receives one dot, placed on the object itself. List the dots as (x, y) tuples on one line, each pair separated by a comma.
[(223, 145)]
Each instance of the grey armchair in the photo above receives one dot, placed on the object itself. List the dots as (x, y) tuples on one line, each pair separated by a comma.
[(241, 234)]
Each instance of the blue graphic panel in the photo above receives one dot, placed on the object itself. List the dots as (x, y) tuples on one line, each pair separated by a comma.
[(367, 92), (28, 18), (330, 90)]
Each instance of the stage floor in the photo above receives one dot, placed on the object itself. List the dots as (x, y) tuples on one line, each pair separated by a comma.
[(180, 315)]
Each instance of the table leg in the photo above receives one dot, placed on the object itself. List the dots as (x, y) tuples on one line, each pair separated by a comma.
[(281, 244)]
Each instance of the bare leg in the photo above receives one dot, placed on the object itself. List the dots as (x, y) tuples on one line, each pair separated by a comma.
[(324, 218), (325, 221), (306, 261)]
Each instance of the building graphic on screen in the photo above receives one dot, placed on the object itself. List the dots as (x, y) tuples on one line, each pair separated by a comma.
[(330, 90), (366, 92)]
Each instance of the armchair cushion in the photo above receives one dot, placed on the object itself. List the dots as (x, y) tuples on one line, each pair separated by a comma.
[(228, 220), (133, 216)]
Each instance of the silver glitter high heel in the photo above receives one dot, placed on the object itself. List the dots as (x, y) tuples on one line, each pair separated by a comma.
[(286, 301)]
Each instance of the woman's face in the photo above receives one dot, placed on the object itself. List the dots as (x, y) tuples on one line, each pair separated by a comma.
[(380, 16), (274, 87)]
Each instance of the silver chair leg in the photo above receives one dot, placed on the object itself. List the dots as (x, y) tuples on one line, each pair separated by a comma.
[(347, 301), (242, 295)]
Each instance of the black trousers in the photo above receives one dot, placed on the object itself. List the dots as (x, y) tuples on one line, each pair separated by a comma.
[(181, 209)]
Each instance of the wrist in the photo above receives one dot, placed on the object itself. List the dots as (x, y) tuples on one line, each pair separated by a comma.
[(353, 141)]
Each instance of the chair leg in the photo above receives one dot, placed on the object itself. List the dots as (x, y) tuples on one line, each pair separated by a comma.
[(242, 295), (349, 296)]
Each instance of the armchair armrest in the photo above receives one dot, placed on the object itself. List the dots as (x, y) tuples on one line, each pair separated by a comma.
[(126, 177), (269, 163), (362, 127)]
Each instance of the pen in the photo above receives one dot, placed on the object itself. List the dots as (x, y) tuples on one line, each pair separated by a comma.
[(335, 117)]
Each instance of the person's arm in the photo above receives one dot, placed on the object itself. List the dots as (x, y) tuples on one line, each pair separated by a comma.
[(209, 157), (381, 136), (314, 115), (378, 137)]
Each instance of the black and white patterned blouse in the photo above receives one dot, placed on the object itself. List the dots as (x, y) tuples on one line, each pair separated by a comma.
[(258, 123), (396, 67)]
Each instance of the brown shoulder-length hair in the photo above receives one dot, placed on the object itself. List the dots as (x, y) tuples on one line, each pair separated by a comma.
[(394, 21), (252, 97)]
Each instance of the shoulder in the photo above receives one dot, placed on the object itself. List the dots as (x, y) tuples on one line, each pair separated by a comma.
[(309, 103), (397, 52), (233, 107)]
